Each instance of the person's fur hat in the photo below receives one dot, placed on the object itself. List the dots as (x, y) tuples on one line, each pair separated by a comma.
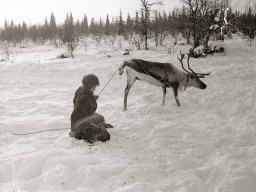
[(90, 80)]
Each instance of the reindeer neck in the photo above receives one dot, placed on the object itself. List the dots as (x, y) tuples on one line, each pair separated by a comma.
[(184, 80)]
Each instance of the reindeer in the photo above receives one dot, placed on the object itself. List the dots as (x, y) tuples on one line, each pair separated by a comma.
[(162, 75)]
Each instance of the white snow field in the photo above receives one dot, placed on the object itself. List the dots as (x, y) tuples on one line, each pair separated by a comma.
[(206, 145)]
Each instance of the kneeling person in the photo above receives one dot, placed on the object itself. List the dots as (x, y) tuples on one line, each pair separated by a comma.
[(85, 123)]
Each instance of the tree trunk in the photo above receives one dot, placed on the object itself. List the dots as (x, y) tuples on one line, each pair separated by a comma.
[(146, 43)]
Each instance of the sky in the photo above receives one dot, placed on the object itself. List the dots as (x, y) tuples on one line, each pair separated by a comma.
[(35, 11)]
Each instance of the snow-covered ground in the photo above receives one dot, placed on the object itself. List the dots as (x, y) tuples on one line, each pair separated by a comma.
[(206, 145)]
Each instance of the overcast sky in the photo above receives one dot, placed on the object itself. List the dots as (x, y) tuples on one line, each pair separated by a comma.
[(35, 11)]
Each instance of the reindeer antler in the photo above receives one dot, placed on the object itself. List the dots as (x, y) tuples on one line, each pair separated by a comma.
[(200, 75), (182, 55), (189, 54)]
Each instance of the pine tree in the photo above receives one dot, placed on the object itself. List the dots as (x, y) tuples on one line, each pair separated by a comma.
[(84, 26), (33, 33), (120, 30), (116, 25), (52, 27), (5, 33), (78, 27), (12, 31), (129, 25), (24, 30), (68, 29), (5, 24), (46, 31), (170, 24), (18, 33), (100, 28), (107, 27), (137, 23), (93, 27), (113, 27), (70, 37)]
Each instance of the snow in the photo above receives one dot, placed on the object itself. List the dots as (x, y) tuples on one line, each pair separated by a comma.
[(206, 145)]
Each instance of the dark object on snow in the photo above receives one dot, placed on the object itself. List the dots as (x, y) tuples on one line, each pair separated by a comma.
[(126, 52), (92, 128), (222, 50), (63, 56), (85, 123), (84, 104), (106, 55)]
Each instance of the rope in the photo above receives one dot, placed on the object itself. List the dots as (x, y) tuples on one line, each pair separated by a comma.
[(37, 131), (234, 18), (107, 82)]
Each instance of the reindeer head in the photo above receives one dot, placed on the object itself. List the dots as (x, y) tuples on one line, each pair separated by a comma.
[(193, 78)]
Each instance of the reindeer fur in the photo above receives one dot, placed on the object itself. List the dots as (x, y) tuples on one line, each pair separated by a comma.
[(158, 74)]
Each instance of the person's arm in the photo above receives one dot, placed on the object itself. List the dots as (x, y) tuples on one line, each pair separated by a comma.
[(76, 94), (87, 104), (96, 97)]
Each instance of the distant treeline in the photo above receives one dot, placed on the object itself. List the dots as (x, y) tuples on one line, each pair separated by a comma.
[(193, 24), (116, 26)]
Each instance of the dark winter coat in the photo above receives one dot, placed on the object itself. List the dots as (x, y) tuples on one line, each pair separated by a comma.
[(85, 104), (85, 123)]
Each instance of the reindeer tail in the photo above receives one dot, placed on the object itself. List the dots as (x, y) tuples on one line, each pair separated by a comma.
[(121, 68)]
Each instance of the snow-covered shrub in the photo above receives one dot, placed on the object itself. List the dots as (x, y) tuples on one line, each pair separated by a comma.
[(217, 47), (8, 53), (199, 52), (213, 47), (137, 41)]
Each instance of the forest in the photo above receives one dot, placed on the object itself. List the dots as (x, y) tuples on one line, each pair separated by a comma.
[(190, 22)]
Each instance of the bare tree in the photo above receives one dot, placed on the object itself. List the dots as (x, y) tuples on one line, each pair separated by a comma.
[(144, 24), (198, 18), (72, 45)]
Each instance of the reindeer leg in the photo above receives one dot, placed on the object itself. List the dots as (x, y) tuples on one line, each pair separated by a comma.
[(164, 94), (175, 90), (130, 82)]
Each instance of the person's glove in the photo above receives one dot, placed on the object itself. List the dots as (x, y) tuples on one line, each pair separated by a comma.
[(96, 97)]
